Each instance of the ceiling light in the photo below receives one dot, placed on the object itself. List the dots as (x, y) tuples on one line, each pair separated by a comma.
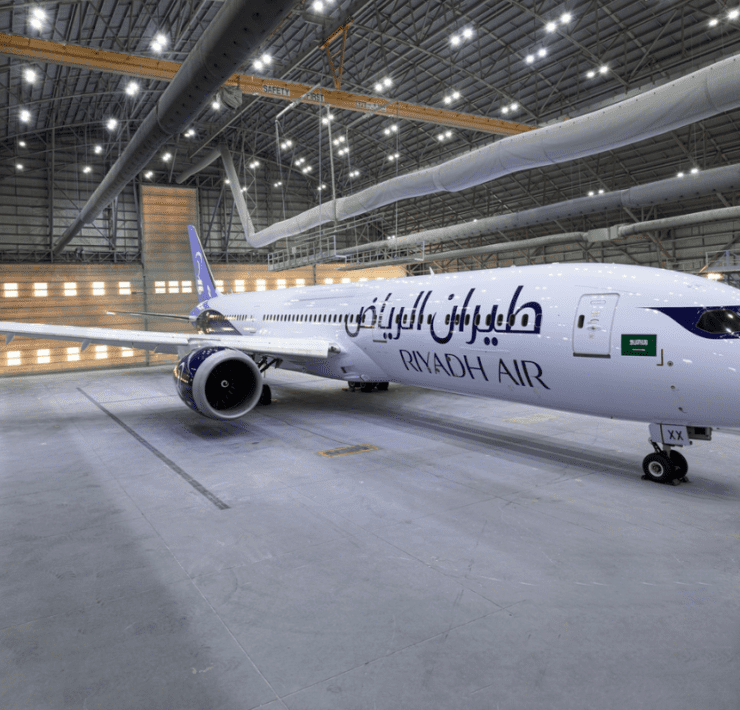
[(190, 133), (455, 40), (22, 144), (254, 164), (713, 22), (455, 95), (87, 169), (541, 52), (679, 173), (19, 166), (161, 38), (30, 75), (448, 99), (216, 105), (467, 33), (98, 149), (111, 124), (733, 14), (39, 13), (529, 58), (227, 181), (167, 157), (378, 87), (590, 73), (440, 137), (258, 64), (514, 106), (25, 115), (278, 184), (566, 17), (590, 193), (694, 171), (318, 6), (505, 110), (551, 26), (148, 174), (448, 134), (601, 191), (132, 88), (387, 81), (603, 69)]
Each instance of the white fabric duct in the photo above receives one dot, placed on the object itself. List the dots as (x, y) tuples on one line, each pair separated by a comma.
[(692, 98)]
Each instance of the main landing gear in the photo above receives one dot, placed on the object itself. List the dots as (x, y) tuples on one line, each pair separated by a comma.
[(368, 386), (666, 465)]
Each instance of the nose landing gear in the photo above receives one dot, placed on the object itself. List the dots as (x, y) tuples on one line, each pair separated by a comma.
[(667, 465)]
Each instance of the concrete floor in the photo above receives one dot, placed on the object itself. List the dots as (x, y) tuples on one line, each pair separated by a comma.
[(481, 558)]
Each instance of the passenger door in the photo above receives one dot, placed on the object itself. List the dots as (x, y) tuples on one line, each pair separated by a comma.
[(593, 325)]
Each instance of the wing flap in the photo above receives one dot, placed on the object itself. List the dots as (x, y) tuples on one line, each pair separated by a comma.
[(296, 349)]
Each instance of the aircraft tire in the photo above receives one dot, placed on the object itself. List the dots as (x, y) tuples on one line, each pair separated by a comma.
[(266, 396), (382, 386), (367, 387), (658, 468)]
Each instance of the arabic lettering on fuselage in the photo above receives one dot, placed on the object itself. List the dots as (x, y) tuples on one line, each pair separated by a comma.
[(468, 320)]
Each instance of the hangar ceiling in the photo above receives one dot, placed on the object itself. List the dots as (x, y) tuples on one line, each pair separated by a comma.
[(421, 82)]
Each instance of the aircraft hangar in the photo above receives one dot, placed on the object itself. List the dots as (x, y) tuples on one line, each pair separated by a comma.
[(336, 548)]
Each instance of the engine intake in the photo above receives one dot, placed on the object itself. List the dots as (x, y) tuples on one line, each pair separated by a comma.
[(218, 382)]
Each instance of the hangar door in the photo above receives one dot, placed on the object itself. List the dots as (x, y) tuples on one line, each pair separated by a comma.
[(593, 325)]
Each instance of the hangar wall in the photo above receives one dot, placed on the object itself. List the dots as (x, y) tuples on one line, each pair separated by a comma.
[(75, 294)]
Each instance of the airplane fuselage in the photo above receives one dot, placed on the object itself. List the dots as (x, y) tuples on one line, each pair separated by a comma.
[(607, 340)]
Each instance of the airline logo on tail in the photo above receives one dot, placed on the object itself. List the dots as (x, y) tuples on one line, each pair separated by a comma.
[(204, 282)]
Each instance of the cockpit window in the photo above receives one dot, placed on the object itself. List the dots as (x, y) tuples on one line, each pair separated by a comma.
[(721, 320)]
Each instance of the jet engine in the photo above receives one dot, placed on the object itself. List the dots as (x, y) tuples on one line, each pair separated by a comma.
[(218, 382)]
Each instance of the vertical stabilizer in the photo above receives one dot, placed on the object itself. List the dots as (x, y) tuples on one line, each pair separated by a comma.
[(204, 282)]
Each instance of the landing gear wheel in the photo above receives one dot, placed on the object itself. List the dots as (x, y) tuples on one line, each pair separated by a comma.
[(367, 387), (680, 464), (382, 386), (659, 468), (266, 396)]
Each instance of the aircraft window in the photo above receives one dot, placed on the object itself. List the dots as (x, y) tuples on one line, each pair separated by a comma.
[(477, 319), (467, 319), (429, 319), (500, 320), (405, 318), (581, 319), (525, 320), (457, 319), (512, 320), (447, 319), (721, 320), (398, 318), (488, 319)]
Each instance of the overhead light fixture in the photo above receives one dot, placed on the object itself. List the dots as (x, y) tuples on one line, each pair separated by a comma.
[(111, 124), (190, 133), (25, 115), (87, 169), (216, 105), (30, 75), (455, 40), (603, 69), (551, 26), (167, 157), (354, 173), (278, 184), (254, 164), (148, 174), (679, 173), (565, 18), (38, 15), (22, 144), (529, 58), (468, 33), (590, 73), (713, 22), (98, 149), (541, 52), (714, 277), (694, 171), (19, 166), (733, 14), (132, 88)]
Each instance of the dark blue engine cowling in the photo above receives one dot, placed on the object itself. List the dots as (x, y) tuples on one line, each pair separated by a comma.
[(218, 382)]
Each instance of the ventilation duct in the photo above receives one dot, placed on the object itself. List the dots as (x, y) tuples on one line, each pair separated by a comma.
[(692, 98), (674, 189), (239, 28)]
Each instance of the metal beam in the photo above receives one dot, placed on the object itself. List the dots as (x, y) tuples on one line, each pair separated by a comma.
[(238, 29), (145, 68)]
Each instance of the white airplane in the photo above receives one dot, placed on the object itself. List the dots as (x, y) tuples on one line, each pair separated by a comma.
[(625, 342)]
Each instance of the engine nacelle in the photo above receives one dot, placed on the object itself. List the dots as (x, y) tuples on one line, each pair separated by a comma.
[(218, 382)]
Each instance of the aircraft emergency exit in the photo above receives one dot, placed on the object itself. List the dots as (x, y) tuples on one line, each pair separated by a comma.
[(625, 342)]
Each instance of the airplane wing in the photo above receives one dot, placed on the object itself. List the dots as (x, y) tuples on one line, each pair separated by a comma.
[(295, 349)]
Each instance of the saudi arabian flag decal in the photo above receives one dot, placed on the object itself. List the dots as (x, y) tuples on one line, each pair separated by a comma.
[(640, 345)]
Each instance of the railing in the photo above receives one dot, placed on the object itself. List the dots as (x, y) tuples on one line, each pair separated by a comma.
[(719, 261)]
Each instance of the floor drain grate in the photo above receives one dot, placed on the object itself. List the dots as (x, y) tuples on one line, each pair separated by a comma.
[(346, 450), (531, 419)]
